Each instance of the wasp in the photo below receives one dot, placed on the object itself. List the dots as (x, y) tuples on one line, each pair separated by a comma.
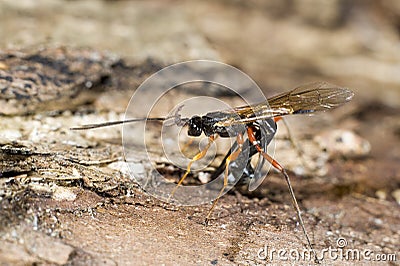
[(254, 127)]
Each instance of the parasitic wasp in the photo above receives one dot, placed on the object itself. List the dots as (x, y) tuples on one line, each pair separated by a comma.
[(253, 126)]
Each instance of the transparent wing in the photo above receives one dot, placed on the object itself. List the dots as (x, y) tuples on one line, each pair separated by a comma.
[(259, 175), (310, 98)]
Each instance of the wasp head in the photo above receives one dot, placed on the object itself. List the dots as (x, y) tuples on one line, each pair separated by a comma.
[(195, 125)]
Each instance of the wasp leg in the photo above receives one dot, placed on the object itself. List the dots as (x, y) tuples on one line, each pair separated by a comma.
[(230, 158), (248, 170), (277, 118), (222, 165), (274, 163), (197, 157)]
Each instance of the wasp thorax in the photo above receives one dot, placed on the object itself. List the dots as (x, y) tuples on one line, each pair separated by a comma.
[(195, 126)]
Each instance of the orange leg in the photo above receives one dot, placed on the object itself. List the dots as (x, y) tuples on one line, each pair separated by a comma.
[(274, 163), (197, 157), (277, 118), (230, 158)]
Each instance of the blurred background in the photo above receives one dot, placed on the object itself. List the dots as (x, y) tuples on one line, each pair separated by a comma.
[(280, 44)]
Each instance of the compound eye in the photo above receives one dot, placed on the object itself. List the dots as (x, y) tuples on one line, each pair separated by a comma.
[(195, 126)]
